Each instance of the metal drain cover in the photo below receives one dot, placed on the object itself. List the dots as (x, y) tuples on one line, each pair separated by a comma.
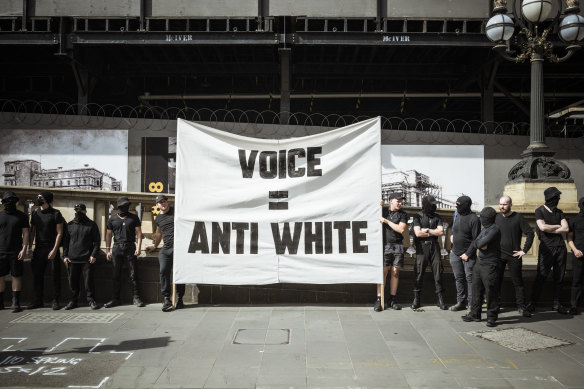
[(75, 318), (262, 336), (521, 339)]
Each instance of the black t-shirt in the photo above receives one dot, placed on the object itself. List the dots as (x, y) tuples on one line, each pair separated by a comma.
[(424, 221), (464, 231), (397, 217), (576, 224), (513, 227), (45, 223), (11, 225), (166, 223), (551, 218), (124, 229)]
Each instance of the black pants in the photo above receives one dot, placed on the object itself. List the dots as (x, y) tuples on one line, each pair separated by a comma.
[(516, 269), (124, 254), (75, 271), (39, 262), (428, 252), (549, 257), (165, 257), (485, 281), (577, 280)]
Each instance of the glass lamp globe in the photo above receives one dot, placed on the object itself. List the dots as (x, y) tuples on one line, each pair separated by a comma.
[(536, 11), (572, 28), (500, 28)]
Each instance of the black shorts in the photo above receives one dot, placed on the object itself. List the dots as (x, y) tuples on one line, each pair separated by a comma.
[(393, 255), (9, 263)]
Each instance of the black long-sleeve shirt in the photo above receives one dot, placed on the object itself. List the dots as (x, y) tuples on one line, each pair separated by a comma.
[(464, 231), (513, 227), (82, 241), (490, 237)]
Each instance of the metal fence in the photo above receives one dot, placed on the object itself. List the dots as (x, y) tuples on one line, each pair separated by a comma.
[(144, 117)]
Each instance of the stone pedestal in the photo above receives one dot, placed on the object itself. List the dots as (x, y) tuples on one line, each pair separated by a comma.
[(527, 196)]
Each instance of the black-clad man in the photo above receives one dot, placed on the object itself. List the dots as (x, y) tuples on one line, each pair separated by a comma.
[(14, 235), (165, 231), (80, 253), (125, 227), (46, 232)]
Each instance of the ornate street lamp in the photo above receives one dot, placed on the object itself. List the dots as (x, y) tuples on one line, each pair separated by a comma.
[(532, 18)]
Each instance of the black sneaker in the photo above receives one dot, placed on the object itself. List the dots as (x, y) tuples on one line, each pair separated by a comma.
[(530, 307), (491, 323), (468, 318), (179, 304), (137, 302), (35, 305), (524, 312), (559, 308), (377, 305), (459, 306), (166, 305), (71, 305), (55, 305), (93, 305), (573, 311), (16, 308), (394, 305), (112, 303)]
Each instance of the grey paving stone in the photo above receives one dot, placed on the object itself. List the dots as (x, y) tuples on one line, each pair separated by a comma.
[(135, 377), (173, 377), (441, 378), (292, 364), (232, 377)]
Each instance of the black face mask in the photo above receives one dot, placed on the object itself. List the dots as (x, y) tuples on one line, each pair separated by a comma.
[(40, 201), (463, 204), (487, 217), (124, 210), (9, 206), (80, 217), (427, 207), (553, 203)]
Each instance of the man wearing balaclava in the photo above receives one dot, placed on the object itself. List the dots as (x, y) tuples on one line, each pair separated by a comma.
[(80, 254), (464, 231), (551, 224), (125, 227), (46, 232), (576, 243), (427, 228), (14, 233), (485, 278)]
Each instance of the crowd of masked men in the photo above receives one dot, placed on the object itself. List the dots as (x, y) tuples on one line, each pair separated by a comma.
[(497, 238), (80, 241)]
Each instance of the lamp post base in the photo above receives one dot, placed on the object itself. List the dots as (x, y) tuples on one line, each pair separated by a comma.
[(538, 165), (527, 196)]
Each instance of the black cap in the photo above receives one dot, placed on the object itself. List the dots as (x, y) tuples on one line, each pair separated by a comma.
[(123, 201), (396, 195), (551, 192), (431, 199), (8, 195), (80, 206), (161, 197)]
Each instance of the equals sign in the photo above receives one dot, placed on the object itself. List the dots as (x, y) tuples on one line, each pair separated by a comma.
[(278, 195)]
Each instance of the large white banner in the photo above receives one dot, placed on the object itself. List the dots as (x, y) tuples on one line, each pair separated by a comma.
[(254, 211)]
